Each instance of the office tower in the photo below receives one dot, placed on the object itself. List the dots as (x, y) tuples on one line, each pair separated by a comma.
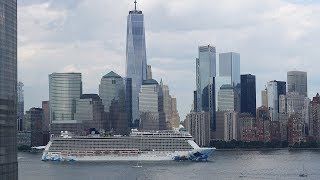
[(128, 103), (112, 87), (264, 98), (274, 90), (197, 124), (46, 121), (149, 106), (20, 106), (174, 113), (8, 90), (231, 129), (248, 94), (149, 72), (64, 91), (136, 61), (219, 81), (195, 101), (228, 99), (306, 114), (90, 112), (205, 69), (35, 116), (167, 109), (229, 65), (298, 82), (212, 103), (314, 125)]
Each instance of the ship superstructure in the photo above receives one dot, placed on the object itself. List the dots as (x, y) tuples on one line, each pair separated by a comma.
[(138, 146)]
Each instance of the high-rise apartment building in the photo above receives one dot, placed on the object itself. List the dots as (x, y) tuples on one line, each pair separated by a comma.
[(229, 65), (20, 106), (297, 81), (205, 69), (112, 87), (248, 94), (35, 117), (136, 61), (231, 126), (8, 90), (314, 126), (197, 124)]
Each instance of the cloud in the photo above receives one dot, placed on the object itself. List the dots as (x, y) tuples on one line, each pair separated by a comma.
[(88, 36)]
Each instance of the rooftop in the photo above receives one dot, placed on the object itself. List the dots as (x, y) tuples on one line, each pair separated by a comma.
[(112, 75)]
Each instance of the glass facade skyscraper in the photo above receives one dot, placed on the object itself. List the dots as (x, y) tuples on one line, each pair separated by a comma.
[(136, 61), (229, 65), (298, 82), (248, 94), (274, 90), (8, 90), (205, 69), (64, 91)]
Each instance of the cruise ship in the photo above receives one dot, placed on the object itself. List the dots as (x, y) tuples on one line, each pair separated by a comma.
[(138, 146)]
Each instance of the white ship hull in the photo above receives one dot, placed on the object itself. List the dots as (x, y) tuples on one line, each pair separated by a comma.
[(145, 156)]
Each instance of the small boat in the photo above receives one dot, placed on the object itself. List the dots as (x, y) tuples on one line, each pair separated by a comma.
[(303, 174)]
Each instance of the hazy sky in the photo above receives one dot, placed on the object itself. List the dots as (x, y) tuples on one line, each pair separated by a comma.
[(89, 36)]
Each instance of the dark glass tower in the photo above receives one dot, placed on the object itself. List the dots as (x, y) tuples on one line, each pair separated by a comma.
[(248, 94), (8, 90), (136, 61)]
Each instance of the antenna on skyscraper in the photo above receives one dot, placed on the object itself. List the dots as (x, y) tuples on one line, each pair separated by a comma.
[(135, 5)]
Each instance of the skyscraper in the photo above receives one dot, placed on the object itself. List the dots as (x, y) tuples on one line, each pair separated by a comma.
[(197, 123), (264, 98), (149, 72), (20, 105), (229, 65), (205, 69), (112, 87), (274, 90), (228, 99), (248, 94), (8, 90), (298, 82), (219, 82), (64, 91), (136, 61)]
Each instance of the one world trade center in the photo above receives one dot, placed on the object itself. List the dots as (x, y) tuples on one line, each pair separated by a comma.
[(136, 61)]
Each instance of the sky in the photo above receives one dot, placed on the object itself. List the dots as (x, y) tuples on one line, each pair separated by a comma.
[(89, 36)]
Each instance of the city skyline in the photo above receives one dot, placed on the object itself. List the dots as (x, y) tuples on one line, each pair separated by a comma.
[(66, 49)]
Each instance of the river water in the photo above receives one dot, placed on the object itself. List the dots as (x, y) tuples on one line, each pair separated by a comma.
[(273, 164)]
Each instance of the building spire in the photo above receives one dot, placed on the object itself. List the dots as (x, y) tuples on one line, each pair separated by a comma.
[(135, 5)]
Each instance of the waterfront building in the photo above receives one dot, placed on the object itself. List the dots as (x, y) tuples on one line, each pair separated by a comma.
[(274, 90), (64, 91), (298, 82), (246, 127), (90, 112), (296, 129), (283, 120), (228, 99), (8, 90), (231, 126), (149, 72), (136, 61), (248, 94), (151, 106), (197, 124), (212, 103), (35, 117), (306, 114), (20, 106), (205, 69), (314, 125), (112, 87), (218, 134), (46, 121), (128, 103)]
